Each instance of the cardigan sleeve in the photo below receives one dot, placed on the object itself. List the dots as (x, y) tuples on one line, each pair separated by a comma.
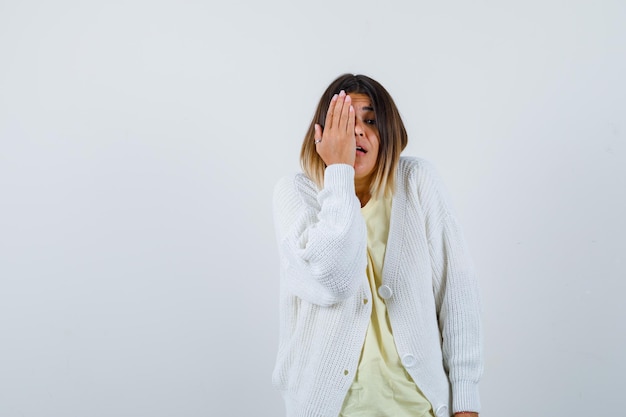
[(457, 298), (321, 236)]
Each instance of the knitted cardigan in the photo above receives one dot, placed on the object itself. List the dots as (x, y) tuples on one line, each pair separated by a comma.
[(432, 295)]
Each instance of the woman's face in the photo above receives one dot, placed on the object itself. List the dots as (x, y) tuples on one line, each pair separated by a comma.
[(366, 135)]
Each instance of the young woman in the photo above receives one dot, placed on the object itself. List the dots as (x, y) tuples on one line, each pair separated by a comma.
[(379, 306)]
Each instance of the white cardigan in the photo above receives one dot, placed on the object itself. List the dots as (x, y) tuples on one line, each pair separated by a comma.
[(428, 282)]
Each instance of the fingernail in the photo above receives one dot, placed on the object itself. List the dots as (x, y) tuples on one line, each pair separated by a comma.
[(342, 93), (334, 97)]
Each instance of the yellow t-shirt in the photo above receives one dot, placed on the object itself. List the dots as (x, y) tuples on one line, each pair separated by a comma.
[(381, 386)]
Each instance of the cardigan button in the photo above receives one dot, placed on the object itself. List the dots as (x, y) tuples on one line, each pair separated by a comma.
[(385, 292), (408, 360), (442, 411)]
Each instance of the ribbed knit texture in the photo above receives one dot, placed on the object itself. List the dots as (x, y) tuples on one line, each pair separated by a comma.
[(434, 309)]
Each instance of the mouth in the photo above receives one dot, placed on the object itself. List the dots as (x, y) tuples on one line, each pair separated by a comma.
[(360, 149)]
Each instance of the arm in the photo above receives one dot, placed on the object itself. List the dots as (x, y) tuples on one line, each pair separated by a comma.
[(459, 317), (457, 299), (322, 236)]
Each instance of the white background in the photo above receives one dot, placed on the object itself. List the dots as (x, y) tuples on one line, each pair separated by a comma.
[(139, 145)]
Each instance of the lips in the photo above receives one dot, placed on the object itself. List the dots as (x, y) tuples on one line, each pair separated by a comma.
[(360, 149)]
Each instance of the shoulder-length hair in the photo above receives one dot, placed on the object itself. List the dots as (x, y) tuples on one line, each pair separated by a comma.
[(391, 132)]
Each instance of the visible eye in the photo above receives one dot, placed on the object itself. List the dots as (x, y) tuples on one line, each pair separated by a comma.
[(370, 121)]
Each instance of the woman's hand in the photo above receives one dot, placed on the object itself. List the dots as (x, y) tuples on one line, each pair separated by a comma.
[(337, 145)]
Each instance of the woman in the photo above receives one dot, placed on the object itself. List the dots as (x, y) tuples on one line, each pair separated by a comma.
[(379, 307)]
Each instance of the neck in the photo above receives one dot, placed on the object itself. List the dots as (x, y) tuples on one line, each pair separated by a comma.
[(362, 188)]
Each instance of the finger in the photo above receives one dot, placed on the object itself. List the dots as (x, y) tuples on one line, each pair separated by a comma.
[(331, 109), (351, 120), (339, 104), (345, 115), (318, 132)]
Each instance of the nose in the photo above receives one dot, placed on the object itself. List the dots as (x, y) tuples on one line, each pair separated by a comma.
[(358, 129)]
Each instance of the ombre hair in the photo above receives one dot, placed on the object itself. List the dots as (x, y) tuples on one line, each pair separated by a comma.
[(391, 133)]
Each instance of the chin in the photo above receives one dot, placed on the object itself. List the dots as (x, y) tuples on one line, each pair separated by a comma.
[(360, 173)]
